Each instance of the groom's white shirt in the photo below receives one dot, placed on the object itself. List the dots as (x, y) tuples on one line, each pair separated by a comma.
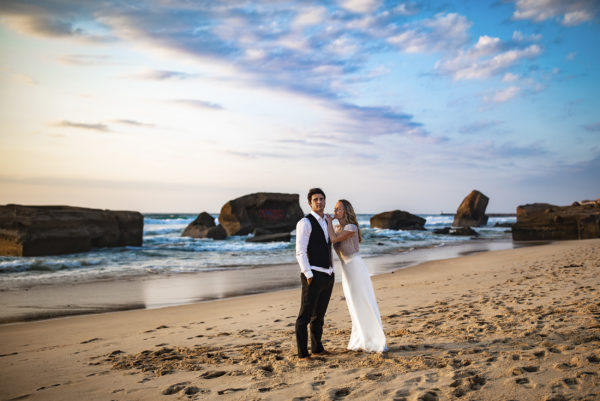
[(303, 230)]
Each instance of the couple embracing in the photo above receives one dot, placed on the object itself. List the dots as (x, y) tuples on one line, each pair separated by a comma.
[(315, 235)]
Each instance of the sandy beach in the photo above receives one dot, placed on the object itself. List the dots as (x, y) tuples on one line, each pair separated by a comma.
[(518, 324)]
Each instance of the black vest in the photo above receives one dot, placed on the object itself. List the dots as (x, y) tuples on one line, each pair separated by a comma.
[(319, 250)]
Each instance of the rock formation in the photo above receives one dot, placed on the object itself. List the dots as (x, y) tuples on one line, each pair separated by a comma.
[(55, 230), (397, 220), (471, 212), (532, 208), (278, 237), (271, 212), (467, 231), (542, 221), (204, 227)]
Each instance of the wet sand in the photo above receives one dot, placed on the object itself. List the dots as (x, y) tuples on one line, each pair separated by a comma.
[(518, 324)]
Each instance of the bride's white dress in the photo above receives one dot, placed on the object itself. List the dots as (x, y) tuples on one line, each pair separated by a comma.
[(367, 330)]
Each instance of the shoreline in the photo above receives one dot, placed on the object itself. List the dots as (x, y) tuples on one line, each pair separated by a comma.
[(50, 301), (508, 324)]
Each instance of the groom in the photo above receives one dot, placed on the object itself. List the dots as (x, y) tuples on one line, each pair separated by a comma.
[(313, 251)]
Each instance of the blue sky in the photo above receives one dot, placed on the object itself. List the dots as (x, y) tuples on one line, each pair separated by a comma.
[(179, 106)]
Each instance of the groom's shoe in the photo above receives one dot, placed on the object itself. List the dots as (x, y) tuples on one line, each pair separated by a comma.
[(324, 352)]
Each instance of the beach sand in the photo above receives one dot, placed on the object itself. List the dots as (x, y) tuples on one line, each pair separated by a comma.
[(519, 324)]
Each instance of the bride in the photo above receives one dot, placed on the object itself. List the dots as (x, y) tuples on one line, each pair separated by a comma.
[(367, 331)]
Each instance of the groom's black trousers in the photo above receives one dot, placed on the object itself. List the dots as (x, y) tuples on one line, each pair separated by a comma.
[(315, 299)]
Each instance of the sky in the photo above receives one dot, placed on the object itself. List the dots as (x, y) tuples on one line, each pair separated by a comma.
[(180, 105)]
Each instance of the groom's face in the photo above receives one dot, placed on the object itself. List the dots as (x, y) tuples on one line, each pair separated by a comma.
[(317, 203)]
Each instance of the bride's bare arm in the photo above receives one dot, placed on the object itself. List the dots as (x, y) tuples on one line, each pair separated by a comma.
[(337, 237)]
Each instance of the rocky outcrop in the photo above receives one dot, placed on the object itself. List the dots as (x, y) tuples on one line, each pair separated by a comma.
[(273, 212), (466, 231), (204, 227), (55, 230), (279, 237), (471, 212), (397, 220), (524, 211), (542, 221)]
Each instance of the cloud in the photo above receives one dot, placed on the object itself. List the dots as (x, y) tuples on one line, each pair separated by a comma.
[(406, 9), (84, 59), (593, 127), (25, 79), (134, 123), (569, 13), (444, 32), (163, 75), (504, 95), (54, 20), (359, 6), (488, 58), (519, 37), (309, 16), (201, 104), (258, 155), (490, 150), (307, 143), (363, 122), (509, 77), (478, 126), (94, 127)]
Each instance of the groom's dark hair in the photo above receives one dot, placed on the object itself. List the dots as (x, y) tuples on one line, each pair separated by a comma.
[(313, 191)]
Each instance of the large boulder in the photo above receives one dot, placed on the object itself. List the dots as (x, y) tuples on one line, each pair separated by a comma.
[(55, 230), (471, 212), (548, 222), (398, 220), (272, 212), (204, 227)]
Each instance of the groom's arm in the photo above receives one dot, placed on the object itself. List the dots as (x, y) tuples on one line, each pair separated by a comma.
[(303, 229)]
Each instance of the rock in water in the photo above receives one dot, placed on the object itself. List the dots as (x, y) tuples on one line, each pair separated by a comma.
[(471, 212), (541, 221), (272, 212), (279, 237), (466, 231), (398, 220), (204, 227), (55, 230)]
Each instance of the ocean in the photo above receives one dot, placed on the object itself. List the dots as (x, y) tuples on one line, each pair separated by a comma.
[(166, 253)]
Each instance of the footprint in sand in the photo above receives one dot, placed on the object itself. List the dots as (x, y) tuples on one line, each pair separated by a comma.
[(570, 381), (430, 395), (90, 340), (593, 359), (230, 390), (373, 376), (317, 384), (212, 375), (175, 388), (467, 381), (401, 395)]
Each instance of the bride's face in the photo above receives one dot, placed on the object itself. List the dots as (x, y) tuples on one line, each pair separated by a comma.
[(338, 211)]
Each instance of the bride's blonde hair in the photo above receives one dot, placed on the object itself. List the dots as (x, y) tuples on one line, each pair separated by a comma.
[(350, 216)]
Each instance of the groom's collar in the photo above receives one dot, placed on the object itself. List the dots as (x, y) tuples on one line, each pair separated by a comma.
[(316, 215)]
